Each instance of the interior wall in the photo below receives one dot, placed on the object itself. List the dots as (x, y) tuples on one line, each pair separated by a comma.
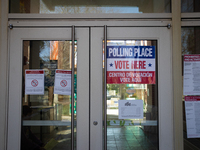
[(3, 71)]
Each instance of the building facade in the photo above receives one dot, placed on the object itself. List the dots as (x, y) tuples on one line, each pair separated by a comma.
[(124, 54)]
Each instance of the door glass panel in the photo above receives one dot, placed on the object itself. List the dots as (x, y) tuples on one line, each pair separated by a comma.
[(190, 6), (46, 117), (88, 6), (137, 127)]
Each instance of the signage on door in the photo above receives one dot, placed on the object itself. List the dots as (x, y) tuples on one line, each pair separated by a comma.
[(192, 111), (131, 65), (34, 82), (191, 75), (62, 84), (130, 109)]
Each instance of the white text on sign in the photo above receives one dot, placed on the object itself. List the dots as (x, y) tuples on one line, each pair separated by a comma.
[(119, 52), (134, 64)]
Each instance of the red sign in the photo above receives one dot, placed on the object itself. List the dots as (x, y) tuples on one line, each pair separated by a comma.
[(63, 83), (34, 83)]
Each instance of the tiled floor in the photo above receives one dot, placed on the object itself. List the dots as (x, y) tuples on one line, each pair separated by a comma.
[(130, 138), (118, 138)]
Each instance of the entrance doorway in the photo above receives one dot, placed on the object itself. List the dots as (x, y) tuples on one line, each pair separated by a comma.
[(95, 122)]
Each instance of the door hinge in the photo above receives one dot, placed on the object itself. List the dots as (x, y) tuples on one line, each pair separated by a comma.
[(10, 26), (169, 26)]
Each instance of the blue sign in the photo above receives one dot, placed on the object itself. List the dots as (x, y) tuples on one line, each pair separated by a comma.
[(131, 52)]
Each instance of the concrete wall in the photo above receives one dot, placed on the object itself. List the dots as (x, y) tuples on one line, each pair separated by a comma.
[(3, 72)]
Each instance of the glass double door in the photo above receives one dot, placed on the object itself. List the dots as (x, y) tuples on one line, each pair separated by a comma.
[(120, 90)]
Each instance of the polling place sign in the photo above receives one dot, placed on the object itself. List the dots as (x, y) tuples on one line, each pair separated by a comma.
[(131, 65)]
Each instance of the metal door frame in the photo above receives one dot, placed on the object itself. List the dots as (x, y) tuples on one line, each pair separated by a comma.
[(17, 35), (90, 81), (165, 86)]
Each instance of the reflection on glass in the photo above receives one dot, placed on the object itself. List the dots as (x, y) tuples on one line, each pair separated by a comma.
[(88, 6), (47, 118), (190, 45), (132, 133), (190, 6)]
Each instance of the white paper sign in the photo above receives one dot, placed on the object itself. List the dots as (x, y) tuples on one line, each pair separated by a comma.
[(130, 109), (192, 111), (62, 84), (34, 82), (191, 75)]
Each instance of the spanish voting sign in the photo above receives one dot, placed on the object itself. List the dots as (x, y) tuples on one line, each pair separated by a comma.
[(62, 84), (34, 82), (130, 109), (192, 112), (191, 82), (131, 65)]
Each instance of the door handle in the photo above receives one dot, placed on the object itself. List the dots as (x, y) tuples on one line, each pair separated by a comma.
[(95, 123)]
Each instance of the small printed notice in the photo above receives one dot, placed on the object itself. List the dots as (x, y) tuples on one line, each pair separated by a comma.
[(191, 85), (130, 109), (62, 84), (131, 65), (192, 111), (34, 82)]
